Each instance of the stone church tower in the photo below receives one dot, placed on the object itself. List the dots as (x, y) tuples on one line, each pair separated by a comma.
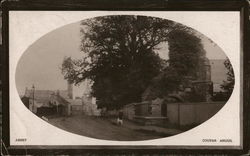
[(204, 72), (203, 86)]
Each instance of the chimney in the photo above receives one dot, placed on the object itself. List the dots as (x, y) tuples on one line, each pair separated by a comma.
[(70, 90), (26, 92)]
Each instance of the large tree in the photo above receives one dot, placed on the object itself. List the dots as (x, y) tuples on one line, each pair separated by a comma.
[(186, 53), (119, 56)]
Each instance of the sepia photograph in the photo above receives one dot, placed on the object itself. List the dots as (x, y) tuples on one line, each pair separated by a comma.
[(124, 78)]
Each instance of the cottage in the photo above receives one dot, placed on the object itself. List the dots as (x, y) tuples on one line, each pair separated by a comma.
[(62, 102), (45, 102)]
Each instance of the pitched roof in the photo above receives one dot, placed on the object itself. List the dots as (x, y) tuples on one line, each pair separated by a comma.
[(60, 99), (39, 95), (45, 96)]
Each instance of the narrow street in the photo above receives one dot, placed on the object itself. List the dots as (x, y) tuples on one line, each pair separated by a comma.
[(106, 129)]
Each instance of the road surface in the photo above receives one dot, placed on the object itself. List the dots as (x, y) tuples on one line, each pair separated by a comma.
[(106, 129)]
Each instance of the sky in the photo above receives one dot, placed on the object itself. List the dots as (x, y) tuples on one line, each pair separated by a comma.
[(40, 63)]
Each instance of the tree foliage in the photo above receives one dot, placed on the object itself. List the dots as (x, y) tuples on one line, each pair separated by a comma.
[(228, 85), (119, 56), (186, 62), (186, 53)]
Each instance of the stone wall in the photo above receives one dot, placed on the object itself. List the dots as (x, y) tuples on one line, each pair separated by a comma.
[(181, 114), (172, 113), (142, 109), (156, 107), (184, 114), (137, 109), (129, 111)]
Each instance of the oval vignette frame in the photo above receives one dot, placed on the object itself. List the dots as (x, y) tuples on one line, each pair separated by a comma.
[(195, 149), (58, 107)]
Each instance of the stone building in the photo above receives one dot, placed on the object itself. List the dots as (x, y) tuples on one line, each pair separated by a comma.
[(89, 102), (191, 104), (196, 86), (202, 86), (60, 101), (219, 74), (45, 102)]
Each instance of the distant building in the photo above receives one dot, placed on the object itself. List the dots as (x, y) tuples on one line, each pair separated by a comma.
[(202, 86), (196, 85), (89, 102), (176, 108), (219, 74), (46, 102), (76, 106), (199, 87)]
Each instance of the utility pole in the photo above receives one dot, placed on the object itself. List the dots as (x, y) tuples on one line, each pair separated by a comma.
[(33, 87), (57, 108)]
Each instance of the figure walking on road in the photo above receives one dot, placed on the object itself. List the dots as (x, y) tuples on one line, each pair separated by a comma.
[(120, 118)]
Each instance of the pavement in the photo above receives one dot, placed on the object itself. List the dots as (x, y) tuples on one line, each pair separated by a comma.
[(107, 129)]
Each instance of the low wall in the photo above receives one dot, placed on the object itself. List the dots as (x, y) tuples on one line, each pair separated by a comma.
[(192, 113), (172, 113), (156, 110), (137, 109), (129, 111), (142, 109)]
